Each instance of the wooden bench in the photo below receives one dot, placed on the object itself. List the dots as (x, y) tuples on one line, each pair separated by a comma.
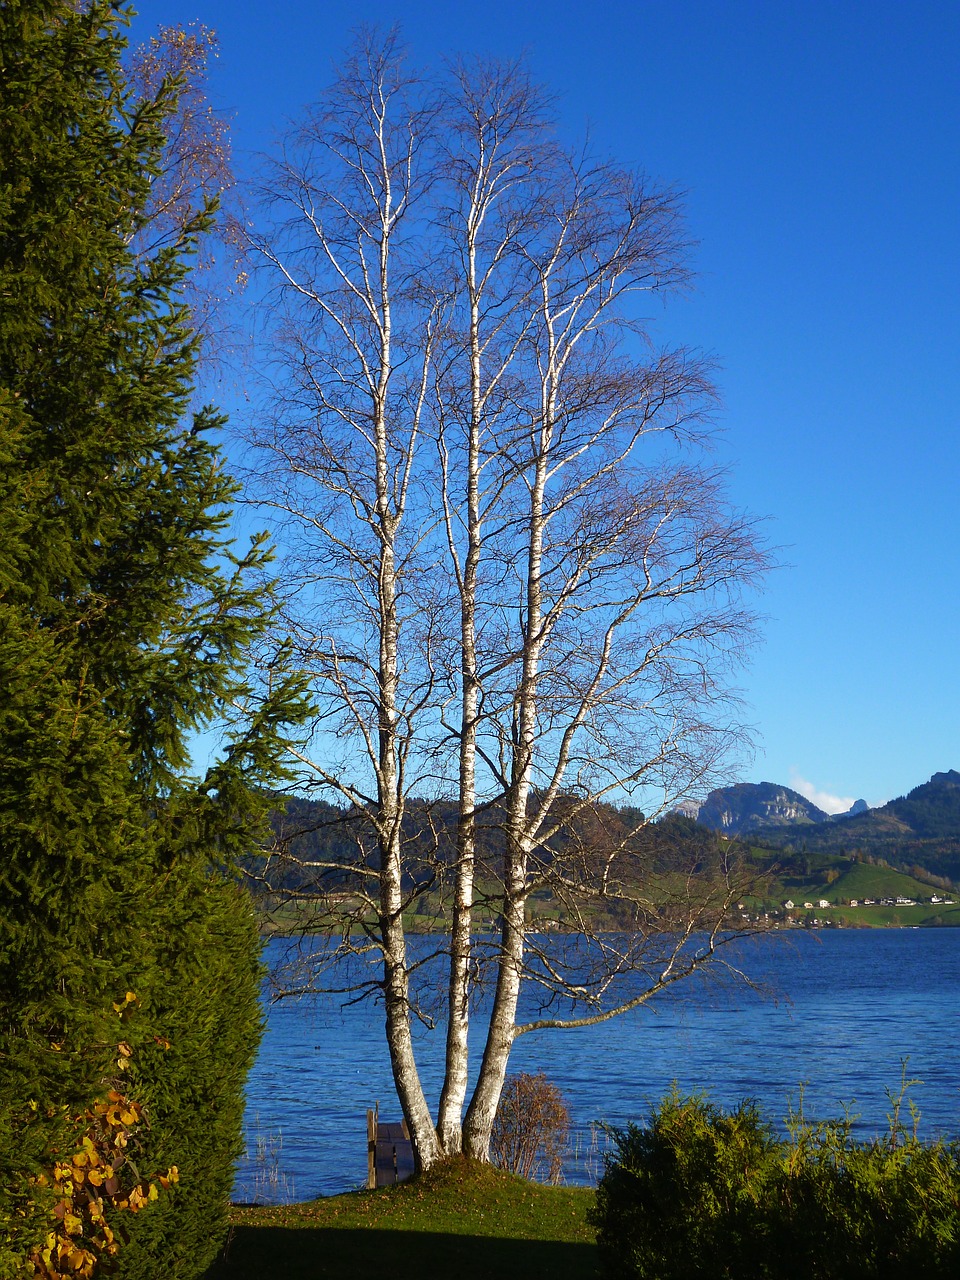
[(389, 1151)]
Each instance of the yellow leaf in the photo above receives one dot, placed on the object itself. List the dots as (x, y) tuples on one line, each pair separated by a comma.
[(153, 1193)]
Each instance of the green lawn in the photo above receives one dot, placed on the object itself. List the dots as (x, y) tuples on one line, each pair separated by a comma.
[(462, 1220)]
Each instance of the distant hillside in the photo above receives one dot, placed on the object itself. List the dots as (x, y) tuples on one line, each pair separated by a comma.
[(920, 829), (750, 806), (931, 810)]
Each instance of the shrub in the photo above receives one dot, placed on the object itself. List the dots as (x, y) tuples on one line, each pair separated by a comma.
[(531, 1128), (679, 1198), (205, 1022), (698, 1192), (840, 1208)]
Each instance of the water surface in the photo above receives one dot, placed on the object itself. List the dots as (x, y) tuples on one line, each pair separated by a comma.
[(852, 1004)]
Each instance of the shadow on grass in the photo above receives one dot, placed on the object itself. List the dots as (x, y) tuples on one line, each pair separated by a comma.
[(303, 1253)]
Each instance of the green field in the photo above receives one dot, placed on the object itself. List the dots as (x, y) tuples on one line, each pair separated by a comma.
[(840, 880), (461, 1220), (877, 917)]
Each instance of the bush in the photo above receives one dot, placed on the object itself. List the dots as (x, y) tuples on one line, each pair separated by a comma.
[(698, 1192), (205, 1020), (530, 1130), (679, 1196), (841, 1208)]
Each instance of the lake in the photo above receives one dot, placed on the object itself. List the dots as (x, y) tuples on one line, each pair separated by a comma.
[(852, 1004)]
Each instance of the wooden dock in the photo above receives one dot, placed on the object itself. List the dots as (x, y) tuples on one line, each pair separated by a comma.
[(389, 1151)]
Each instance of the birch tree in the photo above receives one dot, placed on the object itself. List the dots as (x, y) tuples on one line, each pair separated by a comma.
[(515, 583), (194, 183)]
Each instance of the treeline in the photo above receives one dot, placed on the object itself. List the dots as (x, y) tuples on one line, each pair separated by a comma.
[(322, 845), (937, 861)]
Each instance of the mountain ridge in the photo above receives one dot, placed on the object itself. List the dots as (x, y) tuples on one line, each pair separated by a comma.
[(751, 806), (921, 827)]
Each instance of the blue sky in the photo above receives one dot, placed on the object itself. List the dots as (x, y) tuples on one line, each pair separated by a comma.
[(818, 146)]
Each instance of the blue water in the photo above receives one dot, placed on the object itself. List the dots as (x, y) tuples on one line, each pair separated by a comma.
[(850, 1006)]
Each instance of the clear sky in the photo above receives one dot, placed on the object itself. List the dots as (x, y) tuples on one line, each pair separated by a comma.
[(817, 142)]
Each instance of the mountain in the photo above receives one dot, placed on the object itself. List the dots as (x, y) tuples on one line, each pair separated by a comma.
[(749, 806), (858, 806), (921, 828), (932, 810)]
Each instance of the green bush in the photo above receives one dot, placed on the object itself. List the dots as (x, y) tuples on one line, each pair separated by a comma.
[(840, 1208), (679, 1199), (206, 1010), (698, 1192)]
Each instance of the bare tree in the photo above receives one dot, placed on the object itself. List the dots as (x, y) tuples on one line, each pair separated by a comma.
[(515, 586), (195, 185)]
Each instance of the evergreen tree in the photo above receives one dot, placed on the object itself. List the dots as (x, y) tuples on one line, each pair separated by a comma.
[(124, 620)]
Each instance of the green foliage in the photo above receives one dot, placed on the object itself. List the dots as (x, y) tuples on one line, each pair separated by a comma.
[(124, 624), (703, 1193), (679, 1198), (204, 1021), (67, 940)]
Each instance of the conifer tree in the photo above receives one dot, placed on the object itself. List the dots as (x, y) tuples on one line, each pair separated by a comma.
[(124, 620)]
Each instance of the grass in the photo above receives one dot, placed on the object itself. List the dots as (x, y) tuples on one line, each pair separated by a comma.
[(877, 917), (461, 1219), (859, 881)]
